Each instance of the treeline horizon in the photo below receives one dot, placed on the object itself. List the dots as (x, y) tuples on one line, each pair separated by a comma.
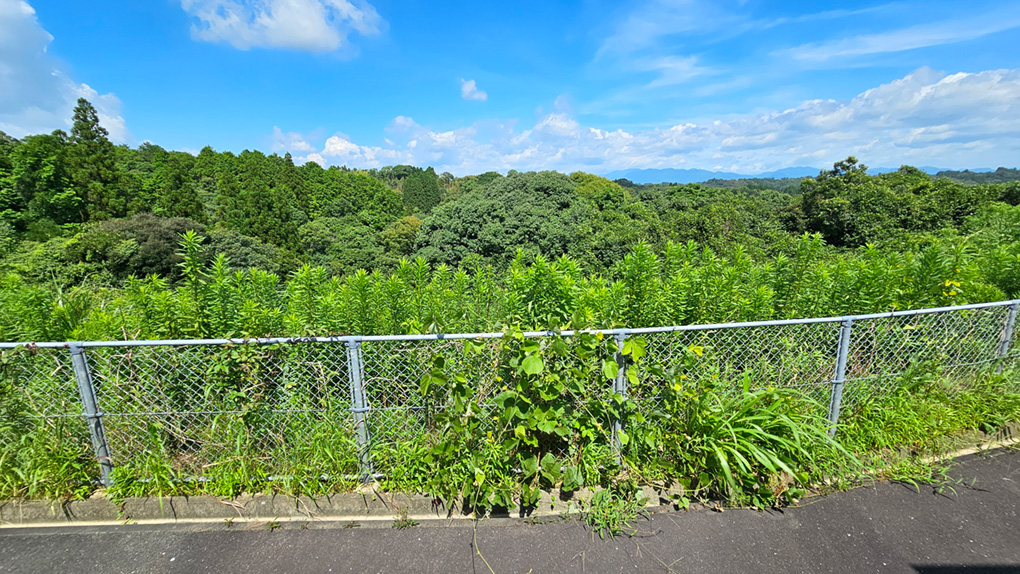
[(99, 241)]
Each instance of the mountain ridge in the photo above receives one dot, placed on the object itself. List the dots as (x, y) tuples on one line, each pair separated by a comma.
[(694, 175)]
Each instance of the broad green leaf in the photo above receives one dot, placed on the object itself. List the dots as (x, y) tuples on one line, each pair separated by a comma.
[(635, 348), (571, 478), (529, 465), (624, 437), (521, 432), (610, 368), (532, 364)]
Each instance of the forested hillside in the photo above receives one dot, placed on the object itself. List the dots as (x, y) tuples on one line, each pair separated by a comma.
[(1001, 175), (99, 241)]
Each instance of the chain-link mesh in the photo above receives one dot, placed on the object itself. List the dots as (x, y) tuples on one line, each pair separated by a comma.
[(1013, 350), (291, 408), (40, 406), (791, 356), (192, 409), (959, 345), (402, 419)]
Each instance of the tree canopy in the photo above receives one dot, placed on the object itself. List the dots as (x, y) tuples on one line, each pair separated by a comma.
[(400, 248)]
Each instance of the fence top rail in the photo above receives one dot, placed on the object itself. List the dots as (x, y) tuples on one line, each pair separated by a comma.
[(497, 335)]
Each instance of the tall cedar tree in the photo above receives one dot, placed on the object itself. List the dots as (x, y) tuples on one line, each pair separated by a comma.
[(91, 161), (265, 203), (421, 191), (176, 195)]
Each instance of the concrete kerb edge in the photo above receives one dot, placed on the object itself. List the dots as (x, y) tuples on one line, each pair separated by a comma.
[(368, 507)]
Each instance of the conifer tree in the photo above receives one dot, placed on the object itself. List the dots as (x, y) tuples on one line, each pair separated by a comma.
[(176, 195), (91, 161), (421, 191)]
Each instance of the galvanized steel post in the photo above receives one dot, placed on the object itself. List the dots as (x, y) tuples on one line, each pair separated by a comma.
[(359, 408), (620, 388), (93, 416), (836, 396), (1007, 335)]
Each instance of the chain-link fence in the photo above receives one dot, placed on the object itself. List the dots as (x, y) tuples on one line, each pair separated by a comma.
[(353, 406)]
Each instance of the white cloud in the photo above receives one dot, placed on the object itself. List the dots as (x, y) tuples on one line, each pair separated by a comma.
[(309, 25), (651, 22), (671, 70), (910, 38), (290, 141), (37, 95), (469, 91), (924, 118), (402, 123), (340, 146)]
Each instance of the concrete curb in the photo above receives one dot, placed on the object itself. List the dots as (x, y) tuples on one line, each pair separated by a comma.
[(369, 505), (366, 506)]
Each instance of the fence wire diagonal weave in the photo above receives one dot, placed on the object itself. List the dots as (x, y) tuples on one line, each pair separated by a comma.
[(275, 405)]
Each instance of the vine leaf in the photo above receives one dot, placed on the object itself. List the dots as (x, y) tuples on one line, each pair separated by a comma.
[(532, 365), (610, 368)]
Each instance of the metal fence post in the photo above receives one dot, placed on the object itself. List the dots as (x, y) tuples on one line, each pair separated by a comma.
[(359, 408), (619, 387), (836, 397), (1007, 336), (93, 416)]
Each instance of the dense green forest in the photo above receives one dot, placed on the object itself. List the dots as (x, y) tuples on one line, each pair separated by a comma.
[(1001, 175), (99, 241)]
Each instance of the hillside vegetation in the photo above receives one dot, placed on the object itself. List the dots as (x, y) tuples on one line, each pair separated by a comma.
[(105, 242), (99, 241)]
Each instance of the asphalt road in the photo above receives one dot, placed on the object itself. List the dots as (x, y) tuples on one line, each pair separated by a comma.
[(885, 528)]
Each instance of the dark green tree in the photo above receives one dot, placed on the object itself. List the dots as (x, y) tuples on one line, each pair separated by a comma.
[(91, 162), (535, 212), (10, 202), (40, 188), (174, 188), (266, 205), (421, 191), (846, 206)]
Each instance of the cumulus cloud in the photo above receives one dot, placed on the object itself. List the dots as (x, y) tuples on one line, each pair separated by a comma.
[(925, 118), (290, 141), (308, 25), (38, 95), (469, 91)]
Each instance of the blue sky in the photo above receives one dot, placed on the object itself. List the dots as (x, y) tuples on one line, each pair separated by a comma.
[(467, 87)]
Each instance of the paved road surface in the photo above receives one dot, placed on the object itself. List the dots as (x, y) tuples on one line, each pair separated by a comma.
[(886, 528)]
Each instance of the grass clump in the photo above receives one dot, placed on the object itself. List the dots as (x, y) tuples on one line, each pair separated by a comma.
[(761, 448), (402, 521), (899, 432), (48, 461), (41, 458), (613, 510)]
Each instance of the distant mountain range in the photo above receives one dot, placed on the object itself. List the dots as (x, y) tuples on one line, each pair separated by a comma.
[(699, 175)]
